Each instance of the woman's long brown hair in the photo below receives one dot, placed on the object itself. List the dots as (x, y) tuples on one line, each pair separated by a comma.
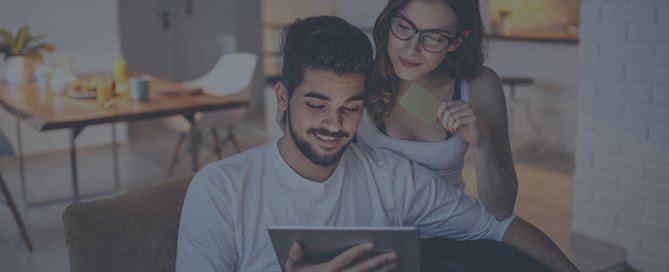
[(462, 63)]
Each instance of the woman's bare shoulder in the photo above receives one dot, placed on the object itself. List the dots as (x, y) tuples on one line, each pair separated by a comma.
[(486, 79), (485, 89)]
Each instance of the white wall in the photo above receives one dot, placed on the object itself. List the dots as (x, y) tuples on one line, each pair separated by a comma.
[(621, 183), (86, 31)]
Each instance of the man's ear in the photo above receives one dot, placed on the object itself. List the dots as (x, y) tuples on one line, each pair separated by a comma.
[(281, 96), (458, 41), (281, 104)]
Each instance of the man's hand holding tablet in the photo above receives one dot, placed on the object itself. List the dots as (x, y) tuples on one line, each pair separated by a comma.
[(346, 260), (337, 248)]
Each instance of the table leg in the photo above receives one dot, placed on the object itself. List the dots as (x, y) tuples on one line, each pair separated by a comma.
[(73, 167), (15, 213), (193, 139), (73, 162), (117, 183), (22, 172)]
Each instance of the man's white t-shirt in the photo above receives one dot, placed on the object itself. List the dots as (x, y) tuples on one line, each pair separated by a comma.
[(230, 204)]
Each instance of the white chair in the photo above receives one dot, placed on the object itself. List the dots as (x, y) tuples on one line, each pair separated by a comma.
[(231, 75)]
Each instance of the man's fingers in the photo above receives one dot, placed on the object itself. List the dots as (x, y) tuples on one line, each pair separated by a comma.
[(348, 256), (294, 257), (378, 263)]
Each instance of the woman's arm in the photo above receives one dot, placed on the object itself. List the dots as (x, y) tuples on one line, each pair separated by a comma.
[(495, 172), (483, 124), (531, 240)]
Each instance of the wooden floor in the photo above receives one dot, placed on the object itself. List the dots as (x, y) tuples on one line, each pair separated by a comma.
[(545, 189)]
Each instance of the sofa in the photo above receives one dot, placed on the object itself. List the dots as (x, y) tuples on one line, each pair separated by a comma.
[(135, 231)]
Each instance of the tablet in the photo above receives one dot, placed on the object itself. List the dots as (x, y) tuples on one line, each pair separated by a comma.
[(322, 243)]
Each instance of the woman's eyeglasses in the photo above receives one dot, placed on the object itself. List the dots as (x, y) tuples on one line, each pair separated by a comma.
[(433, 41)]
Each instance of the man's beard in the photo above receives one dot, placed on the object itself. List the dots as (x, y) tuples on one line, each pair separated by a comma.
[(308, 151)]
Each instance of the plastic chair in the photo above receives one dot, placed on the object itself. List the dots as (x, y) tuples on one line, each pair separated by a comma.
[(231, 75)]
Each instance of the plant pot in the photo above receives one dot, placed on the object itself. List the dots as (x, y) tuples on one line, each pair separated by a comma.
[(18, 70)]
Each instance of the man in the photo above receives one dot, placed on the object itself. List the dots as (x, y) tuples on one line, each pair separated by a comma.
[(313, 176)]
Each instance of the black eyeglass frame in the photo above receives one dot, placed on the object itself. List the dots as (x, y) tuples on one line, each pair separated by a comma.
[(420, 33)]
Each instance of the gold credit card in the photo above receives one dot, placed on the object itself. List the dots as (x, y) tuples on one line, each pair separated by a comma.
[(421, 103)]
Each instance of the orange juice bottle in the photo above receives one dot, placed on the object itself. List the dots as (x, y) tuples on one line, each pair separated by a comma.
[(104, 93), (119, 69)]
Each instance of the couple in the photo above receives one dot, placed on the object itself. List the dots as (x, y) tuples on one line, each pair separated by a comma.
[(314, 176)]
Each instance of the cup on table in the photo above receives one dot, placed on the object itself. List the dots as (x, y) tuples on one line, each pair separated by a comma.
[(140, 88), (43, 77), (104, 93), (60, 79)]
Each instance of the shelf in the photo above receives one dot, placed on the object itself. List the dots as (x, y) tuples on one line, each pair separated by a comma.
[(537, 36)]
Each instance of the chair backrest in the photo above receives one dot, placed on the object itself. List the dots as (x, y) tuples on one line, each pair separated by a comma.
[(231, 74), (136, 231)]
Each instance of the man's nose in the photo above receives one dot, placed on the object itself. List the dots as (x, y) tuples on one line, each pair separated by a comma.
[(333, 121)]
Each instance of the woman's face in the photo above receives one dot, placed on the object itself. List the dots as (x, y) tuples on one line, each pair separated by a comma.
[(410, 60)]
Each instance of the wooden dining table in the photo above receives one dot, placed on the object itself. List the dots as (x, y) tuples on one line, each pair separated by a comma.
[(45, 110)]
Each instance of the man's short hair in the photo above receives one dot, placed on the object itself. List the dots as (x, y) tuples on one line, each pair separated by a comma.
[(325, 43)]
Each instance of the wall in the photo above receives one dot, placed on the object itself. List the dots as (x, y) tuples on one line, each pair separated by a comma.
[(190, 46), (89, 39), (146, 44), (248, 29), (621, 180), (202, 31), (187, 48)]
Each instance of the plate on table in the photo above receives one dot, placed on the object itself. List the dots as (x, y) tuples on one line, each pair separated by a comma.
[(81, 90), (80, 94)]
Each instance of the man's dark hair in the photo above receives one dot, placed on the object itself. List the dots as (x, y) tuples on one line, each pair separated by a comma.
[(325, 43)]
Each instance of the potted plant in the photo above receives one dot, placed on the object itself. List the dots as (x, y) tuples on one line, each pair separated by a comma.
[(20, 52)]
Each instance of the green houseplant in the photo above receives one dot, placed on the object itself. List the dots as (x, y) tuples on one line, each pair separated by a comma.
[(20, 52)]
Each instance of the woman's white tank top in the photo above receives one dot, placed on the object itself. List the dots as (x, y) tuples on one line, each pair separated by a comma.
[(446, 158)]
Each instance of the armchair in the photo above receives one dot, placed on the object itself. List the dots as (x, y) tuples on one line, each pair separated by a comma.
[(136, 231)]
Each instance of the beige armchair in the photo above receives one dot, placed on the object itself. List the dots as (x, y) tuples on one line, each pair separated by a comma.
[(136, 231)]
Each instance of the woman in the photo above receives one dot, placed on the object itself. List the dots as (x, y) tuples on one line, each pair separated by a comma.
[(438, 45)]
